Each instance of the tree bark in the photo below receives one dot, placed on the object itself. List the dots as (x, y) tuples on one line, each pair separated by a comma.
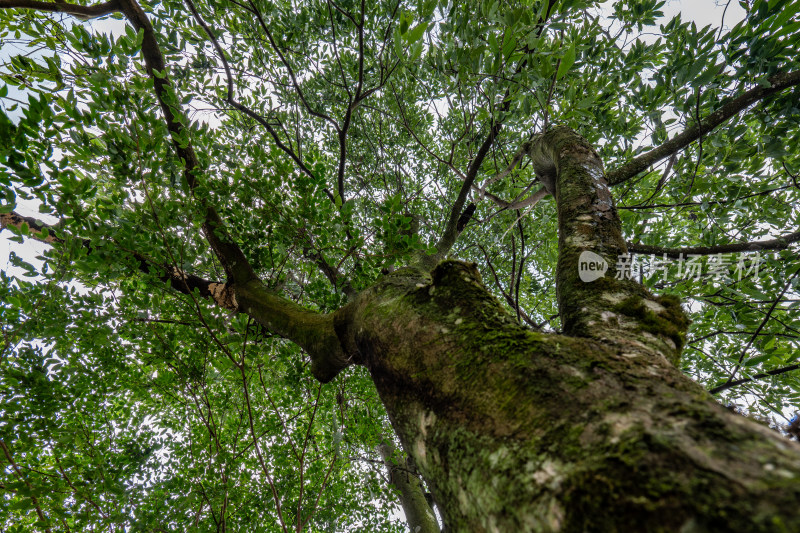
[(403, 478), (595, 430)]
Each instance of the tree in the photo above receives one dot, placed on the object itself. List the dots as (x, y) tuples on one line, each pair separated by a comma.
[(278, 212)]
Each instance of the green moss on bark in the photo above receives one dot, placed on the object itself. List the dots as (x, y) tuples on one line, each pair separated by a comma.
[(670, 321), (517, 430)]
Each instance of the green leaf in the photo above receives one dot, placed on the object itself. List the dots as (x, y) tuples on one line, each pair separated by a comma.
[(22, 504), (416, 51), (753, 361), (416, 33), (566, 62), (794, 356), (398, 43), (494, 46), (787, 29), (788, 11), (404, 22), (509, 45)]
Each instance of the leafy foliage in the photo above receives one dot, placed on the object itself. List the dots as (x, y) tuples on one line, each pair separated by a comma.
[(128, 405)]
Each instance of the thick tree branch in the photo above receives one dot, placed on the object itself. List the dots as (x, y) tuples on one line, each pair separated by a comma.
[(451, 231), (81, 12), (354, 102), (608, 305), (418, 511), (335, 277), (312, 331), (36, 228), (220, 293), (729, 108), (781, 243), (233, 260), (573, 172)]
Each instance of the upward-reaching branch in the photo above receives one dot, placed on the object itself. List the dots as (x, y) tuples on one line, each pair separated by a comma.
[(729, 108), (257, 12), (228, 252), (453, 227), (355, 100), (312, 331), (335, 277), (589, 232), (451, 230), (231, 97)]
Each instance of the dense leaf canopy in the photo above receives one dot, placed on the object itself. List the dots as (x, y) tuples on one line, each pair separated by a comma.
[(334, 141)]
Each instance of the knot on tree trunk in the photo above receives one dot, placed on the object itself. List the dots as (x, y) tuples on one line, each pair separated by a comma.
[(450, 271)]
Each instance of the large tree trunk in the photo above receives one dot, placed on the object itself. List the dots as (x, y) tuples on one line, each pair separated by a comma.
[(596, 430), (519, 431)]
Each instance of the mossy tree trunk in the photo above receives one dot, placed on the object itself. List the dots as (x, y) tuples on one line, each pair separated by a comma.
[(592, 430)]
